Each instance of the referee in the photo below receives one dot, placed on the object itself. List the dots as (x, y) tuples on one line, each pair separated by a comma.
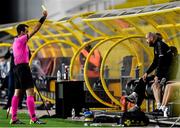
[(22, 73)]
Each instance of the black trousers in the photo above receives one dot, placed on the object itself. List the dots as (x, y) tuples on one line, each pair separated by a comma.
[(140, 89)]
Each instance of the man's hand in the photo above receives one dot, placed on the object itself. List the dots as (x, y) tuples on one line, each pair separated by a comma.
[(38, 25), (144, 77), (156, 79), (45, 13)]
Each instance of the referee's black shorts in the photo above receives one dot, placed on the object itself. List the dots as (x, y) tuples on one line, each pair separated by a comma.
[(23, 77)]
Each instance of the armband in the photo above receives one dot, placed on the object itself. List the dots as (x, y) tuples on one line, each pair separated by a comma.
[(42, 19)]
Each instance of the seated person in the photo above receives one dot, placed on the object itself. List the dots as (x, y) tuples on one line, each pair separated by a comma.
[(161, 62), (170, 88), (93, 65)]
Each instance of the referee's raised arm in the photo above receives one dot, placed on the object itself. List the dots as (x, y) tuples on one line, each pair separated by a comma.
[(38, 25)]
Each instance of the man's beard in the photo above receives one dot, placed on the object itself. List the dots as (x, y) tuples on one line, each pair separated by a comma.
[(151, 44)]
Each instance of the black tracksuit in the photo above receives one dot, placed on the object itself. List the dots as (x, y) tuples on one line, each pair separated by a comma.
[(161, 62)]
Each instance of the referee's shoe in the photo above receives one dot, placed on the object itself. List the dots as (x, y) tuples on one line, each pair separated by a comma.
[(36, 122), (16, 122)]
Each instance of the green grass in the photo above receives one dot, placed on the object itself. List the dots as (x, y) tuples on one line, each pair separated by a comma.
[(51, 122)]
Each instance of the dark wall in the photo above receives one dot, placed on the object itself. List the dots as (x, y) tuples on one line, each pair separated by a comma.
[(8, 11)]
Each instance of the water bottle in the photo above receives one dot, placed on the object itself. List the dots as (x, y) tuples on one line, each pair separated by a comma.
[(58, 76), (82, 72), (73, 114), (68, 72), (65, 75), (106, 72), (137, 72)]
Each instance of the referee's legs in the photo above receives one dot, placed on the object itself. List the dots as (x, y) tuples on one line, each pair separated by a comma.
[(14, 104), (30, 103)]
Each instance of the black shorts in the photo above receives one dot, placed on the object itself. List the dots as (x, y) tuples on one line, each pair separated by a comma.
[(23, 77)]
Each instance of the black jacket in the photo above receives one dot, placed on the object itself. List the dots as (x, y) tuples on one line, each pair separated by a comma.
[(162, 59), (10, 55)]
